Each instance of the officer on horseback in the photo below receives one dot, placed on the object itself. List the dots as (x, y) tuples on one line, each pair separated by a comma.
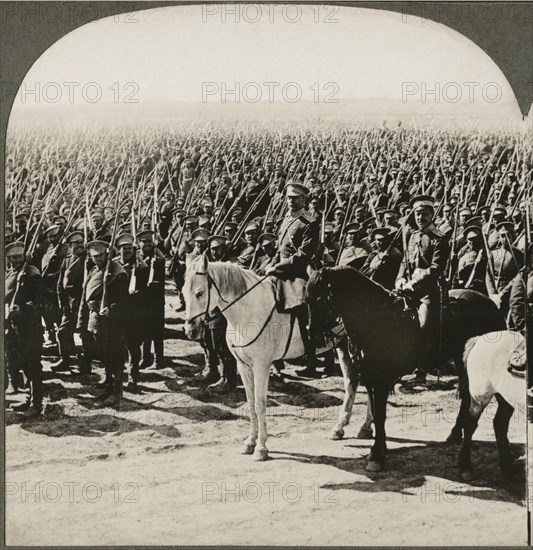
[(421, 277), (298, 242)]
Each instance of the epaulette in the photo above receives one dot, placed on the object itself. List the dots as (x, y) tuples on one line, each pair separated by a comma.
[(306, 216)]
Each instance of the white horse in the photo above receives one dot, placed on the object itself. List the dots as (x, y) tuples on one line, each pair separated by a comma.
[(487, 361), (257, 333)]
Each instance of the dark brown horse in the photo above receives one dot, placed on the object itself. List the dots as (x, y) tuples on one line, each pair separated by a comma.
[(389, 340)]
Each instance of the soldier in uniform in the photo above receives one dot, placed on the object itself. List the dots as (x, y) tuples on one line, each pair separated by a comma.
[(135, 304), (234, 247), (24, 333), (73, 272), (506, 261), (383, 264), (422, 276), (100, 231), (267, 242), (155, 298), (102, 314), (222, 366), (472, 264), (298, 244), (50, 267), (356, 250), (249, 255)]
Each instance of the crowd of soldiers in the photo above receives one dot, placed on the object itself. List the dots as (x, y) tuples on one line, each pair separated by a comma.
[(98, 221)]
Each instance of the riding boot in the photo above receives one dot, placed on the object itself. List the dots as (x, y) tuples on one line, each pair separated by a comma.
[(147, 357), (310, 353), (107, 385), (116, 391)]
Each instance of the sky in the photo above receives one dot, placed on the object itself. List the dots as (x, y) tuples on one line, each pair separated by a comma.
[(307, 53)]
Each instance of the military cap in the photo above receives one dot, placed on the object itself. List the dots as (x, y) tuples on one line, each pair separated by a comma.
[(190, 218), (74, 234), (474, 220), (179, 211), (472, 231), (200, 235), (97, 246), (143, 235), (64, 208), (380, 210), (97, 214), (266, 238), (125, 227), (507, 225), (422, 201), (124, 239), (328, 228), (500, 210), (21, 215), (381, 232), (352, 228), (315, 198), (358, 207), (252, 226), (203, 220), (294, 189), (402, 206), (52, 230), (14, 249), (231, 225), (207, 201), (389, 211), (338, 209), (217, 240), (465, 209), (368, 222)]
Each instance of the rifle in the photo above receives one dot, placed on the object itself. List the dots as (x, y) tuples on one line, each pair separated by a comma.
[(107, 271)]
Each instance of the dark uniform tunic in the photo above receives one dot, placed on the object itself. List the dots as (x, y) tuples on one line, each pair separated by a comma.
[(24, 331), (427, 257), (69, 291), (471, 270), (50, 268), (298, 244), (155, 310), (135, 305), (108, 330), (383, 267)]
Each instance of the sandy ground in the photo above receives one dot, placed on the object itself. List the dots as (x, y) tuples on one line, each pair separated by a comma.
[(165, 468)]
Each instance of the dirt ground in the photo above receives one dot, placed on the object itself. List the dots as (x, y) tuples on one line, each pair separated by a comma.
[(165, 468)]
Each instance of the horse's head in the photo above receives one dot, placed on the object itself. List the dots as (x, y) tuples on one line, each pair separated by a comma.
[(200, 301), (319, 299)]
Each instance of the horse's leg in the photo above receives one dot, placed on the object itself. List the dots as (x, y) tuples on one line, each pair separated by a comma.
[(261, 392), (377, 455), (456, 435), (501, 426), (349, 377), (470, 422), (248, 381), (365, 432)]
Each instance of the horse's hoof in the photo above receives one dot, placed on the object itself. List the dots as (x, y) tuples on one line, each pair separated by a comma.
[(467, 475), (454, 438), (365, 433), (336, 434), (261, 455), (248, 449), (373, 466)]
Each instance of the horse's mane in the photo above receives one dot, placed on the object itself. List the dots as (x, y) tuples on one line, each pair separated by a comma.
[(345, 274), (230, 278)]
